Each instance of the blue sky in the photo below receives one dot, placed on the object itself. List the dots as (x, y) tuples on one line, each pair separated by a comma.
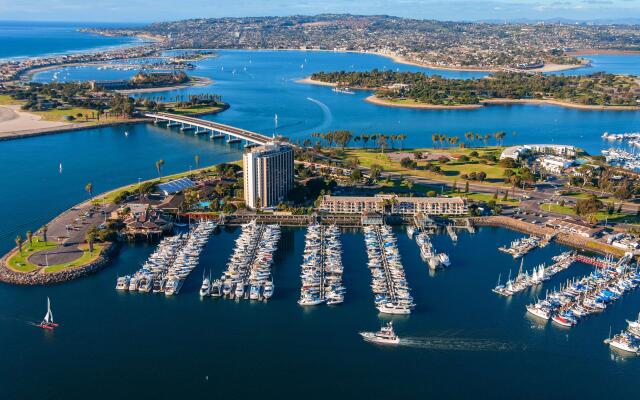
[(162, 10)]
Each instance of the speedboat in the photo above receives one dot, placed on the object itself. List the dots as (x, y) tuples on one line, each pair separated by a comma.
[(385, 335), (122, 283), (205, 289)]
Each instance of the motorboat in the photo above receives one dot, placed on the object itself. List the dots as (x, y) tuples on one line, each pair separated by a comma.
[(385, 335)]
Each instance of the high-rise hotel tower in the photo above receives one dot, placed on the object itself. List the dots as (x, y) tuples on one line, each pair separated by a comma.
[(268, 175)]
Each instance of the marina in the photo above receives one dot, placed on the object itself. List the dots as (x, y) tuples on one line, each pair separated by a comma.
[(628, 340), (322, 269), (389, 285), (248, 273), (428, 253), (539, 274), (170, 264), (578, 298), (520, 247)]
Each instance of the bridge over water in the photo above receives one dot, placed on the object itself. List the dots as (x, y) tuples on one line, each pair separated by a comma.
[(215, 129)]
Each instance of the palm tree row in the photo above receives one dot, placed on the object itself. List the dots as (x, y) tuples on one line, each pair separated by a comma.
[(343, 138)]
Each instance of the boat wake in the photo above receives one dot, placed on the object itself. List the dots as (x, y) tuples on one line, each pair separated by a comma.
[(326, 113), (456, 344)]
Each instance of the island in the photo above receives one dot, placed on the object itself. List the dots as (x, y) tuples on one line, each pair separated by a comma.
[(599, 91)]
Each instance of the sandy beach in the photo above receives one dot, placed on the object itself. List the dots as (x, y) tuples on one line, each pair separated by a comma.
[(310, 81), (14, 122), (594, 52), (382, 102)]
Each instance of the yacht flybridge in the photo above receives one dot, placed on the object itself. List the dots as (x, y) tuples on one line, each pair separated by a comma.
[(385, 335)]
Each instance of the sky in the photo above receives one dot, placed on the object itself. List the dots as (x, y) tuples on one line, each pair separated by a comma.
[(166, 10)]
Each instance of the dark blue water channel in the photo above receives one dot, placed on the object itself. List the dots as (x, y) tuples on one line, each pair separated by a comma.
[(462, 340)]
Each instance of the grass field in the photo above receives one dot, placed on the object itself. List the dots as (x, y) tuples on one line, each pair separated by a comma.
[(19, 261), (6, 100), (452, 170), (600, 216), (197, 110), (84, 259)]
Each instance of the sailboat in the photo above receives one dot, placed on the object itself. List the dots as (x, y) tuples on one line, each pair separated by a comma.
[(47, 322), (60, 168), (126, 133)]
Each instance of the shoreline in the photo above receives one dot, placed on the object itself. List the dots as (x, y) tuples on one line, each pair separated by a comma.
[(373, 99), (596, 52), (195, 81), (27, 133)]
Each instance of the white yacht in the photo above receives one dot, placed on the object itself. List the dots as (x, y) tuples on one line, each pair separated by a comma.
[(385, 335)]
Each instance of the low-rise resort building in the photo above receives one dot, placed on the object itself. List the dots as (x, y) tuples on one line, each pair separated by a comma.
[(392, 204), (528, 150)]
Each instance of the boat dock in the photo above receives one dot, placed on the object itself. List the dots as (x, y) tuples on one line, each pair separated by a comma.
[(539, 274), (452, 233), (392, 295), (580, 298), (169, 265), (322, 269), (520, 247), (248, 273), (428, 253)]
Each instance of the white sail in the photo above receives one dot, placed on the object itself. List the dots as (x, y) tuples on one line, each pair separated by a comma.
[(48, 318), (60, 168)]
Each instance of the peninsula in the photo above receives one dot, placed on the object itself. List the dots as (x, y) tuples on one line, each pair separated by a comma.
[(598, 91)]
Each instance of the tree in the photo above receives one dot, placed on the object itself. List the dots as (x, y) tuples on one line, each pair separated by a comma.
[(466, 187), (590, 205), (91, 238), (409, 183), (505, 196), (481, 176), (375, 171), (30, 238), (19, 243), (89, 189), (159, 165), (45, 228), (356, 175)]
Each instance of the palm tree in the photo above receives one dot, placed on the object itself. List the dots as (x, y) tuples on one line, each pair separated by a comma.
[(402, 137), (30, 238), (196, 158), (435, 138), (469, 136), (365, 139), (159, 165), (91, 238), (89, 189), (19, 243), (44, 233)]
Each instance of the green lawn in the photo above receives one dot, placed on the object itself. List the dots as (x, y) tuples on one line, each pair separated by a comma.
[(451, 170), (84, 259), (18, 261), (488, 197), (6, 100), (196, 110), (600, 215)]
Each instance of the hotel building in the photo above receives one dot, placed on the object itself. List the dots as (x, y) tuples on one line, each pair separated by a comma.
[(268, 175), (392, 204)]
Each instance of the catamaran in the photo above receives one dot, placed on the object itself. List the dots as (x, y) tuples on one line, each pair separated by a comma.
[(47, 322)]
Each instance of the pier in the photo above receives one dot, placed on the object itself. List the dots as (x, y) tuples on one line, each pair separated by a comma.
[(216, 130), (321, 271)]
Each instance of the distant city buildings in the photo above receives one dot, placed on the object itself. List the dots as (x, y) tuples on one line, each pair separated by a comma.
[(393, 204), (268, 175)]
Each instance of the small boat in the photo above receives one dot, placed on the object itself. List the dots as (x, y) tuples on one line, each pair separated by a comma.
[(385, 335), (60, 168), (624, 341), (47, 322), (205, 289), (267, 292)]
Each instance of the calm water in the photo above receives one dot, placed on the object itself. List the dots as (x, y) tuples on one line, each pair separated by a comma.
[(260, 84), (25, 39), (463, 340), (148, 345)]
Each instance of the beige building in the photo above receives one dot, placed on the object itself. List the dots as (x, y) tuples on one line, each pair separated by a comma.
[(268, 175), (393, 204)]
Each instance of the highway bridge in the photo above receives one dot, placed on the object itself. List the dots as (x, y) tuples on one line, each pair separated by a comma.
[(215, 129)]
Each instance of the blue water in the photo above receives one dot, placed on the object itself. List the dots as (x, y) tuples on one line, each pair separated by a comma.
[(463, 341), (30, 39), (260, 84)]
